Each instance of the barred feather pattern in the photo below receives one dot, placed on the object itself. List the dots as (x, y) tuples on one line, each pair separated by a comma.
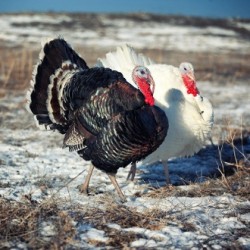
[(57, 64), (104, 118), (129, 137)]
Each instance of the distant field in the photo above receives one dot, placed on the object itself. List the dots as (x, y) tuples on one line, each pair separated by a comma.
[(219, 49)]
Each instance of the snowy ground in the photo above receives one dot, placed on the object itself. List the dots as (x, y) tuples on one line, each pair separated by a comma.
[(33, 164), (141, 30)]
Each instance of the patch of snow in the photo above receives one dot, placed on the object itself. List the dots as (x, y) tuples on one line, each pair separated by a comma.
[(114, 226), (243, 25), (146, 35), (225, 100), (144, 243), (94, 235), (48, 229), (219, 31), (244, 242), (37, 18), (245, 217)]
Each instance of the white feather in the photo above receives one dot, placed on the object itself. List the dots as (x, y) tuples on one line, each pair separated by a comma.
[(190, 118)]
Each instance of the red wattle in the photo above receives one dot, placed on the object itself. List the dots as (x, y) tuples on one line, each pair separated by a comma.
[(146, 91), (190, 85)]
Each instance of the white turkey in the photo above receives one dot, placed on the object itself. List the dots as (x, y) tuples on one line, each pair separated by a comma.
[(189, 114), (104, 118)]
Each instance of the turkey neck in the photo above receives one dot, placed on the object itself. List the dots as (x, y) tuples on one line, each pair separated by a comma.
[(146, 91), (190, 85)]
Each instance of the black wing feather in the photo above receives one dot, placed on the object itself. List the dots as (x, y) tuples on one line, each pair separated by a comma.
[(128, 137), (95, 102)]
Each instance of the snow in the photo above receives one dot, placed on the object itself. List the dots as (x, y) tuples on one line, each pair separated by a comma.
[(48, 229), (33, 163), (16, 29), (243, 25), (94, 234)]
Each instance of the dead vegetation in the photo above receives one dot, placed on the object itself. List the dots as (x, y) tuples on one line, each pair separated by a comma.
[(237, 184), (15, 69), (124, 217), (17, 65), (25, 222)]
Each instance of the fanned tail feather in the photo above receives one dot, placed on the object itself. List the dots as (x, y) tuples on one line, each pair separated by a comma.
[(124, 59), (58, 62)]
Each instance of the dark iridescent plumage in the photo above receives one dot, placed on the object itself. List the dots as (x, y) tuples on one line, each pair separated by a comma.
[(104, 118)]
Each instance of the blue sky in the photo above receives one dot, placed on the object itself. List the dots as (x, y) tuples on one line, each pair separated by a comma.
[(207, 8)]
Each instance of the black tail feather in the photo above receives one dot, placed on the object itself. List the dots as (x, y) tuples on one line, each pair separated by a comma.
[(57, 60)]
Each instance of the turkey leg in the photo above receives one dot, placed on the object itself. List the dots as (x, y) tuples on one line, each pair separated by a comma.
[(166, 171), (132, 172), (85, 186), (119, 191)]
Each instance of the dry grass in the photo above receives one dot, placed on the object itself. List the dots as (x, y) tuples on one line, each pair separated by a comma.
[(15, 69), (237, 184), (125, 217), (17, 64), (23, 222), (222, 68)]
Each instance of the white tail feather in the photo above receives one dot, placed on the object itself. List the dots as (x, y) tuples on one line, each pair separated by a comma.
[(124, 59)]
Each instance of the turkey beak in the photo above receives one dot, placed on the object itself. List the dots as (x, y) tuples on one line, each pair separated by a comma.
[(151, 83), (191, 76)]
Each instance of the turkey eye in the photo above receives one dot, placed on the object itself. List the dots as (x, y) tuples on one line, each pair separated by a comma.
[(142, 72), (185, 68)]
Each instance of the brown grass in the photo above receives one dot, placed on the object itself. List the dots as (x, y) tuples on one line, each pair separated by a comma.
[(16, 65), (22, 222), (237, 184), (15, 69), (125, 217)]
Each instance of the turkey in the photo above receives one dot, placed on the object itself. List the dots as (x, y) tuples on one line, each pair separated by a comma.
[(190, 115), (103, 117)]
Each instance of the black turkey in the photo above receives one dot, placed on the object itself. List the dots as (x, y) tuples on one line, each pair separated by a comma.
[(104, 118)]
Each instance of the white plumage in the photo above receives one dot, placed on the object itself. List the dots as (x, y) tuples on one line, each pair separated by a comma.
[(190, 117)]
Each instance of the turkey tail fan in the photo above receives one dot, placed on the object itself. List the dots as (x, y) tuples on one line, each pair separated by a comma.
[(124, 57), (58, 62)]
